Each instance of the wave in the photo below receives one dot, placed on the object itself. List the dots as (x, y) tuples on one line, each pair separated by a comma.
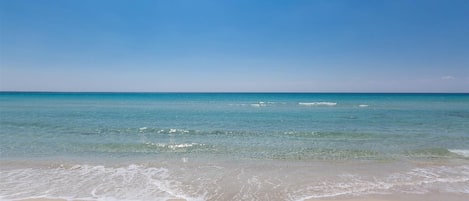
[(232, 181), (179, 131), (317, 104), (437, 153), (259, 104), (163, 131), (461, 152), (265, 104), (147, 147), (175, 146), (428, 153), (414, 181), (87, 182), (333, 135)]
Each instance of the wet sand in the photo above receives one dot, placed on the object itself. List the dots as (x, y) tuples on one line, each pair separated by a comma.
[(402, 197)]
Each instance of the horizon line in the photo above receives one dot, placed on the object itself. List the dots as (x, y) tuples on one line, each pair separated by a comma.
[(234, 92)]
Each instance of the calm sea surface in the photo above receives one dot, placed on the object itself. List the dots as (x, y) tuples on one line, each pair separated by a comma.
[(231, 146)]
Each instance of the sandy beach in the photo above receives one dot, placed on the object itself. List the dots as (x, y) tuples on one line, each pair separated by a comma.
[(428, 197), (55, 199)]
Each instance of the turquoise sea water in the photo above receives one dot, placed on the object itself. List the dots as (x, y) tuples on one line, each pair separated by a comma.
[(168, 134)]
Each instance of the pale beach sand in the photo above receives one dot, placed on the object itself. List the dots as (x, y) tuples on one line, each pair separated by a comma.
[(404, 197), (401, 197), (54, 199)]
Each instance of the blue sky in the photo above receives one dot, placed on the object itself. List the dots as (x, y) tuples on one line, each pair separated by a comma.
[(212, 46)]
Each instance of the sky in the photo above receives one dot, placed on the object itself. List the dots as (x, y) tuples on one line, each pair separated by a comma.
[(235, 46)]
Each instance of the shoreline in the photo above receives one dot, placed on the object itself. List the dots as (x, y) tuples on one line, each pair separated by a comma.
[(272, 180)]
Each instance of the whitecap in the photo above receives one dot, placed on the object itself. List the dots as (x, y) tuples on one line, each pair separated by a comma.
[(173, 146), (317, 104), (142, 129), (185, 145), (362, 105), (172, 131), (260, 104)]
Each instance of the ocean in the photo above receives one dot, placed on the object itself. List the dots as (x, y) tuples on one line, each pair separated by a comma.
[(233, 146)]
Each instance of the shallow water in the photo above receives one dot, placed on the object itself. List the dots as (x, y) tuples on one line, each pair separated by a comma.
[(231, 146)]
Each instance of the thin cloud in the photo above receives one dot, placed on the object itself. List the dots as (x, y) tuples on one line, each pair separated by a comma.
[(448, 77)]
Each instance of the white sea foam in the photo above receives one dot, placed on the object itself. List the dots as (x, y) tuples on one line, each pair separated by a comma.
[(462, 152), (260, 104), (211, 182), (317, 104), (174, 146), (85, 182), (173, 131), (142, 129), (415, 181), (362, 105)]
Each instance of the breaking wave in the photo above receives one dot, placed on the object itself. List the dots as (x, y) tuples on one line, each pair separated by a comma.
[(86, 182), (317, 104), (414, 181), (461, 152), (225, 182)]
